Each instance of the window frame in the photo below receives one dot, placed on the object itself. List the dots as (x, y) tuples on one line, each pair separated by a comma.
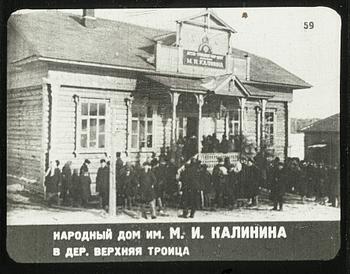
[(81, 117), (233, 121), (144, 108), (183, 128), (267, 135)]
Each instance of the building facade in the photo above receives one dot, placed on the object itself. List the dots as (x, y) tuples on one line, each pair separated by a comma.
[(86, 87)]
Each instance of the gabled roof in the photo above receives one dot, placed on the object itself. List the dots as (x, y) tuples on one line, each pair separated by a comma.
[(329, 124), (209, 14), (61, 36)]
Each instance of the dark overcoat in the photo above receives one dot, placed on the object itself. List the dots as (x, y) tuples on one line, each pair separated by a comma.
[(102, 180), (147, 184), (52, 182)]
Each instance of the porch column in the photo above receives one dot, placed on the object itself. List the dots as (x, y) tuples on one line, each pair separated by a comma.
[(258, 126), (174, 101), (263, 109), (113, 141), (242, 102), (200, 101), (128, 103)]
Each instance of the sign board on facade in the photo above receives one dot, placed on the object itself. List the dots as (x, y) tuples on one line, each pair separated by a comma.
[(202, 59)]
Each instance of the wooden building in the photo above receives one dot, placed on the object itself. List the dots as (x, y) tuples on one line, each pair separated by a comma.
[(84, 87), (322, 141)]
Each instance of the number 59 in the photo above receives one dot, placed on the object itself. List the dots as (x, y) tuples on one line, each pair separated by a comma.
[(309, 25)]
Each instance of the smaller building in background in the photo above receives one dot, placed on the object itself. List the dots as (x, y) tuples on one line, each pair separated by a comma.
[(322, 140), (296, 145)]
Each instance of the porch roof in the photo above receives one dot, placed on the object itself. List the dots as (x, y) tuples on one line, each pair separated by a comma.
[(219, 85), (176, 83)]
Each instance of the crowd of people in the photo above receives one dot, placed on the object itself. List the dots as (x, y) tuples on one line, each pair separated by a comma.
[(159, 183)]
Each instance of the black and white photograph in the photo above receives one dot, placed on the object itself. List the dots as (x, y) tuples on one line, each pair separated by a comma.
[(158, 117)]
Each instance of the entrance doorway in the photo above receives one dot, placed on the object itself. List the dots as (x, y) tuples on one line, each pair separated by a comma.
[(192, 126)]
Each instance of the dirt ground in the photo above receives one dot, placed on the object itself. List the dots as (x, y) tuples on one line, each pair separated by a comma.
[(24, 208)]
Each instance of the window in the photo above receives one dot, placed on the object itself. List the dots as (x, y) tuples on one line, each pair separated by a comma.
[(142, 127), (269, 131), (181, 127), (92, 124), (234, 122)]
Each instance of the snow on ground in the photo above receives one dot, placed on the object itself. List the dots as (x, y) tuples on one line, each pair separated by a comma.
[(26, 209)]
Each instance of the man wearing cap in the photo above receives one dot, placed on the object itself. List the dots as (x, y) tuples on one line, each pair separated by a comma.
[(147, 184), (129, 183), (160, 171), (252, 180), (102, 183), (207, 186), (190, 189), (171, 187), (278, 187)]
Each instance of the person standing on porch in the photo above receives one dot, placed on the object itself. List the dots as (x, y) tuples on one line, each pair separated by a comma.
[(215, 143), (224, 144), (231, 144), (147, 184), (102, 183)]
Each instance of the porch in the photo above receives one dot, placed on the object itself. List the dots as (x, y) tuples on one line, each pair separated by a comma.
[(165, 111)]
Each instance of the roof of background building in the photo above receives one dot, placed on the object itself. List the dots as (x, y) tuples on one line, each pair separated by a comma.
[(329, 124), (58, 35)]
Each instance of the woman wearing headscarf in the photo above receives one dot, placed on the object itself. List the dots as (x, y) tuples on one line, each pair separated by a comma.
[(66, 190), (52, 182), (85, 182)]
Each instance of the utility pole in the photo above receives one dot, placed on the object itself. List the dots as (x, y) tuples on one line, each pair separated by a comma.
[(112, 210)]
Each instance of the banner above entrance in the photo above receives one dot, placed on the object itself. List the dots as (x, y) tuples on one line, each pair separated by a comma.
[(202, 59)]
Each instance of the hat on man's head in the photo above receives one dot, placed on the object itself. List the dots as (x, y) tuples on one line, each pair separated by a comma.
[(87, 161)]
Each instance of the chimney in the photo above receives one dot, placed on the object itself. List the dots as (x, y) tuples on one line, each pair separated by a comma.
[(89, 19), (247, 67)]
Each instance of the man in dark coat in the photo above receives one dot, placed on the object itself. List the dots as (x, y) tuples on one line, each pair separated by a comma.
[(208, 188), (215, 143), (147, 184), (234, 177), (224, 144), (102, 183), (76, 188), (52, 183), (66, 189), (85, 182), (190, 189), (171, 187), (278, 187), (119, 164), (219, 179), (252, 180), (129, 184), (160, 171)]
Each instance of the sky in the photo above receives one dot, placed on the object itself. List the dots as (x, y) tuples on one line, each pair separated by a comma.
[(277, 34)]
